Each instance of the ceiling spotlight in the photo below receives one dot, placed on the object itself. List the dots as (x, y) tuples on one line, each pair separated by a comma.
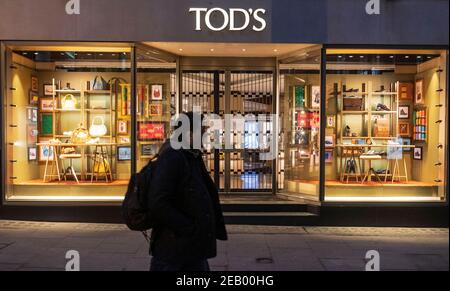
[(180, 49), (391, 57), (419, 57), (378, 57), (275, 50), (25, 54), (212, 50), (113, 55), (36, 53), (429, 57), (406, 57), (244, 50), (361, 57), (101, 55), (340, 57), (351, 57)]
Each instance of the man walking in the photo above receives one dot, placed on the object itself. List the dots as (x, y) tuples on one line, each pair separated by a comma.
[(186, 210)]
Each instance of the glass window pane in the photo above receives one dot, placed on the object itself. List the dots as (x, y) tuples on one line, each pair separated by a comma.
[(386, 120), (62, 139)]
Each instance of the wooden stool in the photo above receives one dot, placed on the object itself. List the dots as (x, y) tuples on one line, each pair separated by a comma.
[(396, 170), (101, 159), (70, 169), (54, 162), (371, 170)]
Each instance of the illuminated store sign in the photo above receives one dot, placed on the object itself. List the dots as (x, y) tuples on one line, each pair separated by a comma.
[(252, 17)]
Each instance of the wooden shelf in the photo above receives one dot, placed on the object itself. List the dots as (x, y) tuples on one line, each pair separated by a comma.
[(69, 91), (349, 112), (383, 112), (99, 92), (385, 93)]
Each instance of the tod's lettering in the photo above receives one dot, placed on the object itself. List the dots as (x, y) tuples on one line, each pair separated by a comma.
[(252, 17)]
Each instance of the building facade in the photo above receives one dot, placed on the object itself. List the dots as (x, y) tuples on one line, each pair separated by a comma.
[(353, 96)]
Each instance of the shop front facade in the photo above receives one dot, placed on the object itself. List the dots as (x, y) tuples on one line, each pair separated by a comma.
[(356, 115)]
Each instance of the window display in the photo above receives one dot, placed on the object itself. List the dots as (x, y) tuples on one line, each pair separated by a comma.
[(385, 149)]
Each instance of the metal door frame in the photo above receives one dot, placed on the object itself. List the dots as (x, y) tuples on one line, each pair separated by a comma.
[(229, 65)]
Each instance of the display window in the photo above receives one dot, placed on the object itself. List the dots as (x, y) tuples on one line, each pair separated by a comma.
[(386, 135), (300, 100), (65, 136)]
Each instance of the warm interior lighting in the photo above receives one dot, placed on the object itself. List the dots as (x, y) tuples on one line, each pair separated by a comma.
[(382, 199)]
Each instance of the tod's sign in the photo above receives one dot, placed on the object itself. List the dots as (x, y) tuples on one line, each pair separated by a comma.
[(226, 19)]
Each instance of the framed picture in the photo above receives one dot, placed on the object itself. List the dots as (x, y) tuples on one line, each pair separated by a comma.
[(419, 98), (32, 154), (33, 98), (331, 121), (124, 140), (149, 150), (404, 129), (406, 142), (299, 96), (329, 141), (47, 104), (32, 115), (302, 137), (406, 91), (32, 134), (49, 89), (123, 154), (157, 92), (418, 152), (315, 96), (122, 127), (46, 152), (403, 111), (151, 131), (156, 110), (46, 125), (329, 156), (34, 84)]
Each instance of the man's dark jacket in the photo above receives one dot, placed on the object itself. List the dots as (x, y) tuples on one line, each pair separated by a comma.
[(185, 206)]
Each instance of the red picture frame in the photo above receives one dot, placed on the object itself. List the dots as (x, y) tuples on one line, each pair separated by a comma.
[(151, 131)]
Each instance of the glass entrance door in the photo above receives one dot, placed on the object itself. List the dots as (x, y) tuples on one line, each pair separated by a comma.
[(236, 93)]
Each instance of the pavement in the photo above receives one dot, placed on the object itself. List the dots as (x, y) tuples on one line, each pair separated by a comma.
[(42, 246)]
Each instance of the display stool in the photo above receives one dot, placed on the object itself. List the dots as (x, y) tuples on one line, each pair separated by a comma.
[(70, 169), (101, 159), (54, 163), (350, 155), (396, 175), (371, 170)]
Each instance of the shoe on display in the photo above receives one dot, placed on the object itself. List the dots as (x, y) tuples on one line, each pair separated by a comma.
[(382, 107)]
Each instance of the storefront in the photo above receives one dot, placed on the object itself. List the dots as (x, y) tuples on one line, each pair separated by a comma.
[(361, 110)]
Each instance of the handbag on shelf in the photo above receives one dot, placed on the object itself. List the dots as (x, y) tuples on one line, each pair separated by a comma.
[(98, 127), (69, 102), (100, 84), (80, 135), (101, 165)]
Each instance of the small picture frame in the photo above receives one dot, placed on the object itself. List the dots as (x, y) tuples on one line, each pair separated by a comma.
[(149, 150), (331, 121), (32, 134), (122, 127), (329, 141), (403, 111), (418, 153), (32, 115), (406, 142), (123, 154), (33, 98), (157, 92), (34, 84), (49, 90), (329, 156), (46, 152), (155, 110), (151, 131), (47, 104), (404, 129), (315, 96), (419, 97), (124, 140), (32, 154)]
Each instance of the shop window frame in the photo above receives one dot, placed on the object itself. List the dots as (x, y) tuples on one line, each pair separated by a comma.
[(323, 76)]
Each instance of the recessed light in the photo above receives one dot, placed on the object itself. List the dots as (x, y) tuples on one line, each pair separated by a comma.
[(211, 50), (180, 49), (378, 57), (113, 55), (406, 57), (89, 54), (361, 57), (350, 57), (419, 57), (275, 50), (428, 57), (36, 53), (340, 57), (25, 54), (101, 55), (244, 50), (391, 57)]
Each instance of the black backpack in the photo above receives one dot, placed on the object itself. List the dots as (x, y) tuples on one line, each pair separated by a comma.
[(135, 206)]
